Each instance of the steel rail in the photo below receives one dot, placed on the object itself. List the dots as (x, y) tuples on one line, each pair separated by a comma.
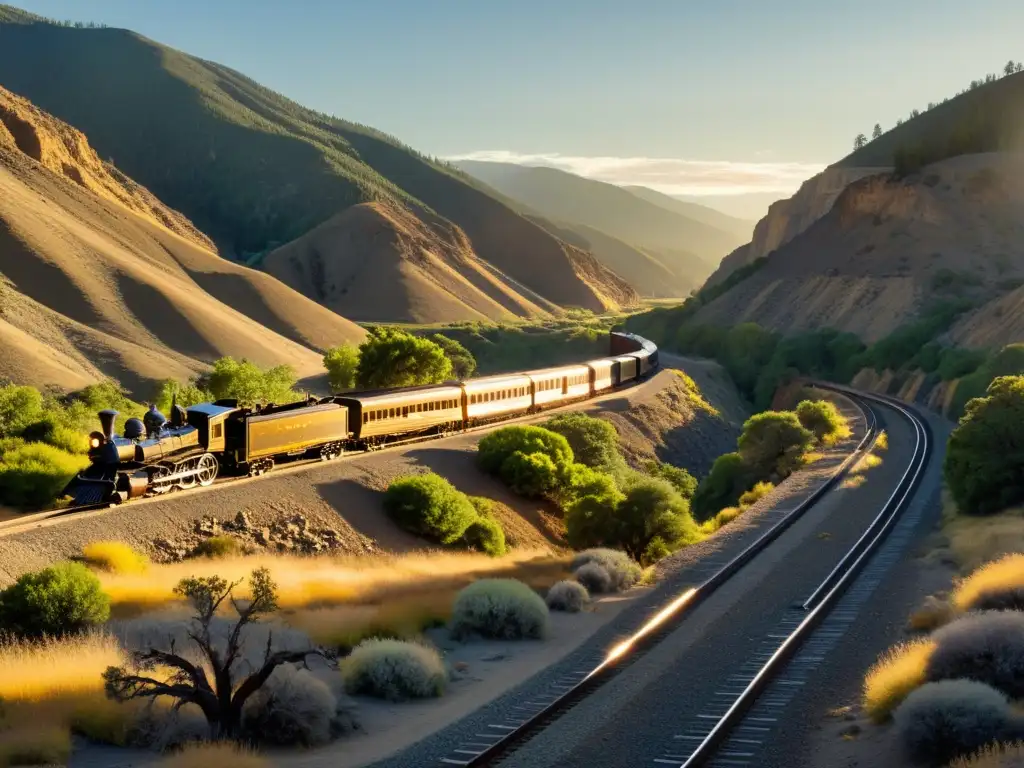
[(854, 561), (651, 632)]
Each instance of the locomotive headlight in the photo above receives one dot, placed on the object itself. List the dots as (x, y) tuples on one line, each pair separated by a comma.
[(94, 443), (96, 439)]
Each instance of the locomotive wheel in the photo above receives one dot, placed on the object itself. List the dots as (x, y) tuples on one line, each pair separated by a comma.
[(207, 470)]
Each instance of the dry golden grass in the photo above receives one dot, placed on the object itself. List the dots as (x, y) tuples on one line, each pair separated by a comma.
[(867, 462), (114, 556), (37, 671), (993, 756), (724, 517), (307, 581), (345, 626), (853, 481), (881, 442), (30, 744), (894, 676), (974, 541), (693, 394), (215, 755), (1005, 573)]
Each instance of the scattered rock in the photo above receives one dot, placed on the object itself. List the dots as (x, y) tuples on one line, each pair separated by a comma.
[(291, 532)]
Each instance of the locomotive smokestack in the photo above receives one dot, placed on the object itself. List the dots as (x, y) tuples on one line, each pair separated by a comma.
[(107, 419)]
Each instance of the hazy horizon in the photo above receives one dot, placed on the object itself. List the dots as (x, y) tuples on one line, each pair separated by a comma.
[(732, 104)]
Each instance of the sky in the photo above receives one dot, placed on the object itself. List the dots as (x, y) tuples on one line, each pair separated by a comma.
[(698, 99)]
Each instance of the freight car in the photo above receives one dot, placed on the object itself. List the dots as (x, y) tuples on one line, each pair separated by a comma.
[(154, 455)]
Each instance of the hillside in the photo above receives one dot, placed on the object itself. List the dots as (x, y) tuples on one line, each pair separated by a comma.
[(741, 228), (687, 247), (889, 248), (987, 117), (255, 170), (100, 278)]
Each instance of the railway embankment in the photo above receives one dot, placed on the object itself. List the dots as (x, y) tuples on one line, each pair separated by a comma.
[(685, 420)]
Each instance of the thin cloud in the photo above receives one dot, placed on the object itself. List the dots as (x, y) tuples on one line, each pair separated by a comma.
[(669, 175)]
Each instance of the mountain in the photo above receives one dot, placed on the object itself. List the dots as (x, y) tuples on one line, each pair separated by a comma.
[(687, 247), (256, 171), (100, 278), (889, 249), (741, 228)]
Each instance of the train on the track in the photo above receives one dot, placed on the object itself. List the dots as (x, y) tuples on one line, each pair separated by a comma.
[(154, 455)]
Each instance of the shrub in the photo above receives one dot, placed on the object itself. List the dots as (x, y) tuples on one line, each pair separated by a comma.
[(988, 647), (621, 568), (395, 670), (998, 585), (531, 475), (485, 534), (594, 442), (430, 506), (824, 420), (568, 596), (994, 756), (293, 708), (683, 481), (114, 556), (773, 443), (755, 494), (218, 546), (656, 549), (724, 517), (341, 363), (729, 477), (941, 721), (223, 754), (652, 509), (897, 672), (393, 358), (590, 520), (982, 464), (246, 382), (64, 598), (504, 609), (462, 360), (498, 445), (32, 474), (595, 578)]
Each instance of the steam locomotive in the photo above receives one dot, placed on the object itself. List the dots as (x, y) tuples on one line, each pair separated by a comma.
[(154, 455)]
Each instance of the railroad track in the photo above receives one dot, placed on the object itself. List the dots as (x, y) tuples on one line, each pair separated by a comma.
[(725, 734)]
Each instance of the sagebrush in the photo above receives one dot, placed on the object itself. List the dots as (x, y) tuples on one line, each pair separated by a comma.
[(622, 570), (395, 670), (987, 647), (501, 609)]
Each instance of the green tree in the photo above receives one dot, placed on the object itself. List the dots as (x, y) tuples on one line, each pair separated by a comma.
[(594, 441), (172, 391), (462, 360), (19, 407), (394, 358), (877, 132), (652, 509), (683, 481), (984, 464), (773, 444), (823, 419), (531, 474), (860, 141), (1010, 68), (246, 382), (728, 479), (498, 445), (342, 363)]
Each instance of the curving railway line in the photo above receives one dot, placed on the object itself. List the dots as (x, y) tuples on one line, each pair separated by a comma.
[(735, 702)]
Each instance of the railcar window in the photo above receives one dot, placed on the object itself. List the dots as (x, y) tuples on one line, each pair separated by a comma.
[(218, 430)]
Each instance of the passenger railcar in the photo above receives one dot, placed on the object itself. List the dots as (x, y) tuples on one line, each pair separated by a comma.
[(155, 455), (377, 417), (494, 397)]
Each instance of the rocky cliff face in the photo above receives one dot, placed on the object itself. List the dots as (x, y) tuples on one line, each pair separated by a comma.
[(788, 218)]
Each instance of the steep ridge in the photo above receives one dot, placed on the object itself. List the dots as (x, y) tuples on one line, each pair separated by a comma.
[(253, 169), (101, 279), (685, 245), (889, 247), (790, 217), (380, 262)]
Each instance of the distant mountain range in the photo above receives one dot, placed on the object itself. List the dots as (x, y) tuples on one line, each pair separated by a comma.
[(663, 246), (255, 171)]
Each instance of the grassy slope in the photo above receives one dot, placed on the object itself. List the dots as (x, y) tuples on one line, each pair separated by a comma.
[(248, 166), (611, 209), (986, 118)]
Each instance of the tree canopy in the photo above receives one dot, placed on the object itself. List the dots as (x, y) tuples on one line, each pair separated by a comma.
[(394, 358), (342, 364)]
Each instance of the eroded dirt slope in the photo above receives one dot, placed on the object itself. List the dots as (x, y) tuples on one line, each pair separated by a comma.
[(888, 247), (101, 279)]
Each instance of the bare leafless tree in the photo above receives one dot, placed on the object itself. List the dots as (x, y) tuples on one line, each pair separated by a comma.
[(220, 699)]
